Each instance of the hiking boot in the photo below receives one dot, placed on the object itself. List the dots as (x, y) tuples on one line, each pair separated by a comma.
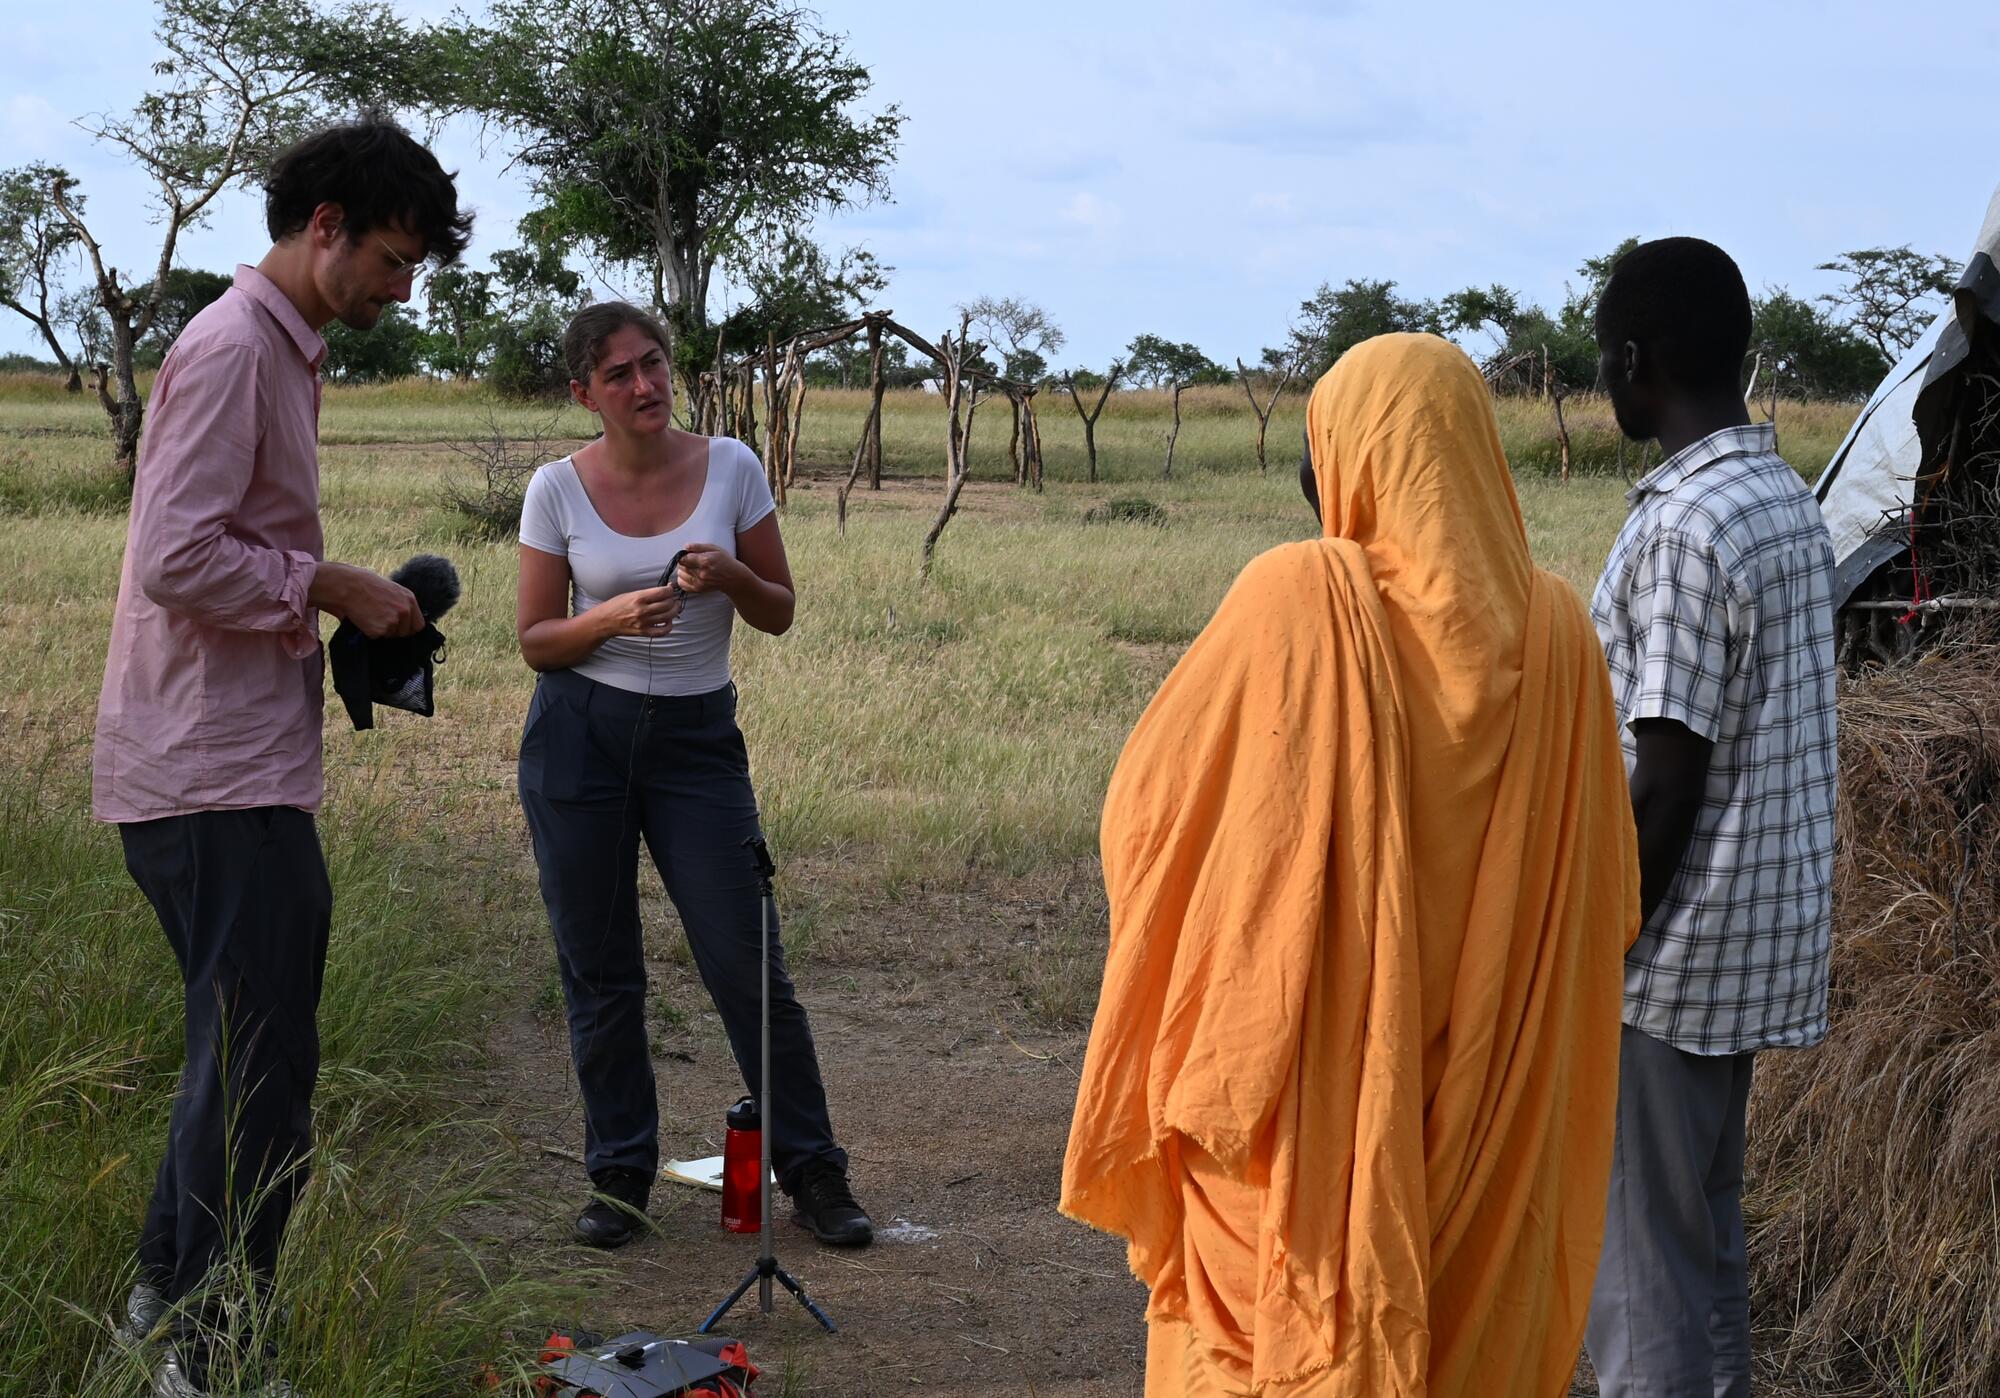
[(144, 1308), (616, 1211), (170, 1380), (825, 1204)]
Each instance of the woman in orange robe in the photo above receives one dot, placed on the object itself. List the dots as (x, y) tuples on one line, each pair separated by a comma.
[(1372, 876)]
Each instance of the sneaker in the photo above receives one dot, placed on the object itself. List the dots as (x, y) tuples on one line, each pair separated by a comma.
[(144, 1308), (825, 1204), (616, 1212)]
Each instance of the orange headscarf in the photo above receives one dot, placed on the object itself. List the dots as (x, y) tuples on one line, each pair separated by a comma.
[(1372, 874)]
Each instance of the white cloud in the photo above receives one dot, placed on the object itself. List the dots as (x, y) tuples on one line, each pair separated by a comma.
[(1088, 211)]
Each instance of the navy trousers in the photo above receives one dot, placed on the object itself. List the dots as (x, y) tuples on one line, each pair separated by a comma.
[(601, 770), (244, 900)]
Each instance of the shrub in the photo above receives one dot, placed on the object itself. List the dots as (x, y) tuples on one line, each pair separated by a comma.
[(490, 504), (1127, 509)]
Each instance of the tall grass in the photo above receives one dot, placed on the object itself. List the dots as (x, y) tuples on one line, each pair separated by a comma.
[(379, 1298)]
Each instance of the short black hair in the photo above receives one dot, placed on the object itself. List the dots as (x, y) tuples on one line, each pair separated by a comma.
[(1685, 301), (378, 175)]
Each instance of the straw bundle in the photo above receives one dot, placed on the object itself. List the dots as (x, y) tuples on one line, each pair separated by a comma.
[(1874, 1162)]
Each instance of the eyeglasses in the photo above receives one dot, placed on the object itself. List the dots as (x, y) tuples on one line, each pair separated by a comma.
[(400, 264)]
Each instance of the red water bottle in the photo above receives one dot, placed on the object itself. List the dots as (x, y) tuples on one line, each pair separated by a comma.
[(742, 1161)]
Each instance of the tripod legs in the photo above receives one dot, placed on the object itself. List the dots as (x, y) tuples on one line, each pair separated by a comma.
[(784, 1279), (812, 1307), (767, 1267)]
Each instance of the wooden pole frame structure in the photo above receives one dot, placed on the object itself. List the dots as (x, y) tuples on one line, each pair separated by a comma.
[(952, 361), (777, 374)]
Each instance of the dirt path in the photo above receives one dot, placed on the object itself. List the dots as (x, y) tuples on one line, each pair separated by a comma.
[(954, 1106)]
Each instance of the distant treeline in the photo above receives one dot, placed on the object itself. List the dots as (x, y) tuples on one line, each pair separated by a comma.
[(593, 105), (504, 326)]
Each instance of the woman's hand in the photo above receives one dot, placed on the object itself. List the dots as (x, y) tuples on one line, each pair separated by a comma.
[(552, 639), (647, 612), (707, 568)]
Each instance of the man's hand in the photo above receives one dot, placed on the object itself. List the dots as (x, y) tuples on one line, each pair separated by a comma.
[(1669, 783), (369, 600)]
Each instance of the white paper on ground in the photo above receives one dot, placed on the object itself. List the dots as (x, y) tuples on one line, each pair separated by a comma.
[(705, 1173)]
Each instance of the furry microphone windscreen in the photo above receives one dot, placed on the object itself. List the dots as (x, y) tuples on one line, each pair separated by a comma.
[(434, 582)]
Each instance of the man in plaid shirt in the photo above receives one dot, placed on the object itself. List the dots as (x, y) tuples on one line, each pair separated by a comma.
[(1716, 615)]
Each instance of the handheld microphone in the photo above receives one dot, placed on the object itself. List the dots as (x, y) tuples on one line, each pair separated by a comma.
[(432, 580)]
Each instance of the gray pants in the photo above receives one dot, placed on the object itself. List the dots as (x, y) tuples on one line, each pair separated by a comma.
[(1670, 1316)]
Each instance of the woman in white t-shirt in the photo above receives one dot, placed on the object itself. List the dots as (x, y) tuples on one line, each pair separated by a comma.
[(638, 553)]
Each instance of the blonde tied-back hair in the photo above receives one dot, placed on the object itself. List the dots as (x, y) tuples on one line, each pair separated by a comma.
[(583, 341)]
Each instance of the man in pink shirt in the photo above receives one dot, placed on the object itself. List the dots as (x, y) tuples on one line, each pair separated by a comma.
[(208, 731)]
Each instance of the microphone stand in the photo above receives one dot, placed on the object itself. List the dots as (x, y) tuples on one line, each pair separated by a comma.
[(766, 1268)]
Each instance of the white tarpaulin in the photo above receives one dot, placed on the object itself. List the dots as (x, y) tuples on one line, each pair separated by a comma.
[(1867, 486), (1869, 480)]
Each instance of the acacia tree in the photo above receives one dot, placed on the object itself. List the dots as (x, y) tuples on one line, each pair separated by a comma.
[(505, 324), (1025, 336), (1531, 343), (34, 238), (674, 137), (1889, 293), (794, 287), (460, 318), (1162, 363), (1816, 355), (241, 79), (1497, 310), (1023, 332), (1336, 318)]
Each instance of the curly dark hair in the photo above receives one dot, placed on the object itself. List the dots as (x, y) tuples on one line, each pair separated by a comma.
[(379, 176), (1684, 300)]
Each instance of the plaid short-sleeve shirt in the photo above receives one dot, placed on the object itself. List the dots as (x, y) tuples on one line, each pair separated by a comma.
[(1716, 610)]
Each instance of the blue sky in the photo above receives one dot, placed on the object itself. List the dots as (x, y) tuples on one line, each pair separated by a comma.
[(1195, 170)]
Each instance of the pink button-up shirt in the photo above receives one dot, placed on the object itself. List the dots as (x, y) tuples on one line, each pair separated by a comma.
[(213, 689)]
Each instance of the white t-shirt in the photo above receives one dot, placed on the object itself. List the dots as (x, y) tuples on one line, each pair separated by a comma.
[(557, 517)]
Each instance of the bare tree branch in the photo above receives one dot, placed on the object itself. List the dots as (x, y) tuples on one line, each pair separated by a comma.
[(1264, 412), (1090, 418)]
